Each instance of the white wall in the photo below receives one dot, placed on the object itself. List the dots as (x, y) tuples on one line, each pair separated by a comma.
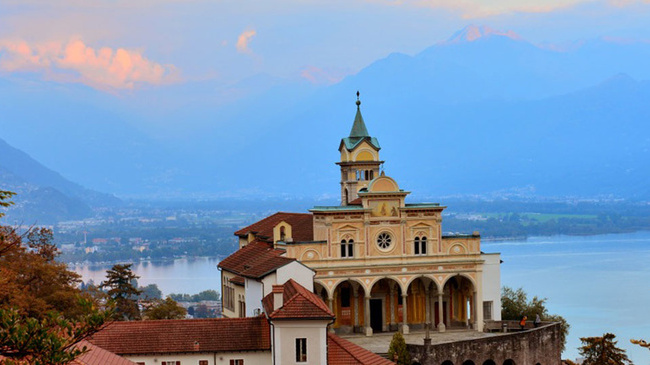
[(253, 297), (221, 358), (492, 282), (286, 333), (298, 272)]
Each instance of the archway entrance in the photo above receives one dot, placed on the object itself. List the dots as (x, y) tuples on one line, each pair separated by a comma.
[(347, 306), (461, 308), (385, 305)]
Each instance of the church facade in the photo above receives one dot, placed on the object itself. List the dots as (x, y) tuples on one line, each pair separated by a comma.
[(380, 263)]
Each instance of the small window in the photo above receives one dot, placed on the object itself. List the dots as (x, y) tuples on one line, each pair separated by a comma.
[(282, 234), (347, 248), (203, 362), (301, 350), (487, 310), (171, 363), (140, 363), (237, 362), (420, 246)]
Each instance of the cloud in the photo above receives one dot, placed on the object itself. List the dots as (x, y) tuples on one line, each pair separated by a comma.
[(244, 39), (74, 61), (324, 76)]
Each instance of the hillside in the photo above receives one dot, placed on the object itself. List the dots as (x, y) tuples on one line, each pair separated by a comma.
[(44, 196)]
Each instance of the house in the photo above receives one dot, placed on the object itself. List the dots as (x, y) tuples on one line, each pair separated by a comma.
[(293, 330)]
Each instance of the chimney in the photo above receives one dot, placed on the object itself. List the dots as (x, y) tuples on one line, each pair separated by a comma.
[(278, 292)]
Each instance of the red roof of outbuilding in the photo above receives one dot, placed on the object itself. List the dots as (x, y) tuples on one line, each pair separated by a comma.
[(184, 336), (298, 303), (255, 260), (302, 226), (344, 352), (94, 356)]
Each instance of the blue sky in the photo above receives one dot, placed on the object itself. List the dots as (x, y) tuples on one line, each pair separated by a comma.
[(119, 46)]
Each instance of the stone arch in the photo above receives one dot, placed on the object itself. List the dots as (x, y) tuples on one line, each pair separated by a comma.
[(460, 293), (418, 291), (468, 362), (509, 362), (457, 249), (324, 286), (347, 305), (309, 255), (384, 304), (489, 362), (462, 274)]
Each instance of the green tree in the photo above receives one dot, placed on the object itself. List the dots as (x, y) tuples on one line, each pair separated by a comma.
[(150, 291), (397, 350), (515, 304), (122, 292), (165, 309), (602, 351)]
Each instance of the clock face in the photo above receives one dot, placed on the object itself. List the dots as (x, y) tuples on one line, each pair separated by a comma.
[(384, 240)]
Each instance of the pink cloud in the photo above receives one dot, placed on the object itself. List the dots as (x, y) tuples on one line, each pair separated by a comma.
[(74, 61), (327, 76), (244, 39)]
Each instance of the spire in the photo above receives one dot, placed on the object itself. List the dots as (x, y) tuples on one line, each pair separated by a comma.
[(359, 129)]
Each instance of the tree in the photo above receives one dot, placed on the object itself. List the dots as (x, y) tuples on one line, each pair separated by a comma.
[(122, 292), (150, 291), (515, 304), (43, 315), (397, 350), (165, 309), (602, 351)]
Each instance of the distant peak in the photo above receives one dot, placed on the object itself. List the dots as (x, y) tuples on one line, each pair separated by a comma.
[(473, 32)]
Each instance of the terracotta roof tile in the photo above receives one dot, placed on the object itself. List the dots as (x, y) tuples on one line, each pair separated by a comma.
[(302, 226), (238, 280), (181, 336), (298, 302), (344, 352), (255, 260), (95, 356), (356, 201)]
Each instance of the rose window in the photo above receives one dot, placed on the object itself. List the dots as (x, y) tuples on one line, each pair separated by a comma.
[(384, 240)]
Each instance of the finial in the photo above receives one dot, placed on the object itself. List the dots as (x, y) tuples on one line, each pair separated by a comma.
[(358, 101)]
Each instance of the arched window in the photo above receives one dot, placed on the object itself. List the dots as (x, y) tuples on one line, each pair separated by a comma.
[(282, 234), (347, 248), (420, 245), (372, 174)]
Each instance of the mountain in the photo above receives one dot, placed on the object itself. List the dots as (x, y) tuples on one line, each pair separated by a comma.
[(44, 195), (483, 111)]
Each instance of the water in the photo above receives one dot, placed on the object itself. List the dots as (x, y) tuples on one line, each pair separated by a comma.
[(598, 283), (189, 276)]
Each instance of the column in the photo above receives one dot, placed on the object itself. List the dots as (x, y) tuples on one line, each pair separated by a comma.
[(441, 314), (405, 326), (356, 307), (391, 295), (427, 304), (474, 310), (366, 316)]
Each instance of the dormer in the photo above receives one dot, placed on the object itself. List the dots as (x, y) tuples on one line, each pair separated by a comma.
[(282, 232)]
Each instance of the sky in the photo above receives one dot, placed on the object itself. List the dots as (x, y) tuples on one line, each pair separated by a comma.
[(121, 46)]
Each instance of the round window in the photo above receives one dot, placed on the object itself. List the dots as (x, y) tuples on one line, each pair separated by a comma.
[(384, 240)]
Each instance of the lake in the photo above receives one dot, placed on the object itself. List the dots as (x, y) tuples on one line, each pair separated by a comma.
[(598, 283)]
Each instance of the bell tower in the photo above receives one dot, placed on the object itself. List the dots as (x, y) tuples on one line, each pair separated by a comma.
[(359, 159)]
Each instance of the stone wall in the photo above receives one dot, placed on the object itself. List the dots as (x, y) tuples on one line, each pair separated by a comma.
[(538, 346)]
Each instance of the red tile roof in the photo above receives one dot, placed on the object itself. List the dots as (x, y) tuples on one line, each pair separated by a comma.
[(357, 201), (99, 356), (344, 352), (298, 303), (302, 226), (238, 280), (182, 336), (94, 356), (255, 260)]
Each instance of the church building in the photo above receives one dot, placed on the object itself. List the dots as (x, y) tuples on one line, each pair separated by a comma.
[(379, 262)]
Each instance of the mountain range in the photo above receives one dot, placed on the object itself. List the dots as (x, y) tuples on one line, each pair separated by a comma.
[(484, 111), (44, 196)]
